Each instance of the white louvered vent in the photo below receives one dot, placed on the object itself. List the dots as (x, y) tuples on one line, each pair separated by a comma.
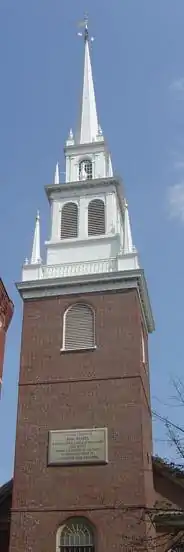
[(79, 331), (96, 217), (69, 221)]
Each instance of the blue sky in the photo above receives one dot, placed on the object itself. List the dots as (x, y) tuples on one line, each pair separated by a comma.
[(138, 66)]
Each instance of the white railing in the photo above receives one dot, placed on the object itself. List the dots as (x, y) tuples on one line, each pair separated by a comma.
[(79, 269)]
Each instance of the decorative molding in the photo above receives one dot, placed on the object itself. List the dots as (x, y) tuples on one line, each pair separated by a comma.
[(53, 189)]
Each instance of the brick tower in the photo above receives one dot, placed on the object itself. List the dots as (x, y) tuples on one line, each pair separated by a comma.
[(83, 463), (6, 312)]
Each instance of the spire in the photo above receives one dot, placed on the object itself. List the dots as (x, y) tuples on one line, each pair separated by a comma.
[(35, 257), (56, 176), (88, 127), (128, 245)]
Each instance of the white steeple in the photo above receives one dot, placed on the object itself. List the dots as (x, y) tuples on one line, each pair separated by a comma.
[(88, 144), (88, 127), (90, 240), (35, 257), (128, 244)]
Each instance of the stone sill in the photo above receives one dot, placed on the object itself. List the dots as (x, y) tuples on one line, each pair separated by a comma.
[(82, 350)]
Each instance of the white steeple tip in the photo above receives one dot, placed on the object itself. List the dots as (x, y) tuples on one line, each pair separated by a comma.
[(128, 245), (56, 176), (88, 127), (35, 257), (70, 139)]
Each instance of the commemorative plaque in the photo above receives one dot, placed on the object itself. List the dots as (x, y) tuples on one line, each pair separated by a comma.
[(77, 446)]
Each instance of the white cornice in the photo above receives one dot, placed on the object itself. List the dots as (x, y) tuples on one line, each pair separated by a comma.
[(53, 190), (82, 149), (95, 283)]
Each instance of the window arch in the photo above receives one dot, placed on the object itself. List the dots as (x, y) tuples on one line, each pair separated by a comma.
[(69, 221), (96, 217), (79, 328), (75, 536), (85, 169)]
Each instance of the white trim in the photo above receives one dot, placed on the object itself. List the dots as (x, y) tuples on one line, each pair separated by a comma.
[(80, 350), (58, 537), (143, 349), (82, 241)]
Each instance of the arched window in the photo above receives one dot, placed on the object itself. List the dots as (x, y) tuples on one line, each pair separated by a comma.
[(78, 328), (96, 217), (69, 221), (85, 169), (75, 536)]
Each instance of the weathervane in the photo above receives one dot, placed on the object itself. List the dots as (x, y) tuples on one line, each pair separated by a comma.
[(84, 24)]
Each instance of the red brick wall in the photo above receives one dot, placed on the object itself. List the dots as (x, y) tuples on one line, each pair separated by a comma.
[(2, 344), (106, 387), (6, 311)]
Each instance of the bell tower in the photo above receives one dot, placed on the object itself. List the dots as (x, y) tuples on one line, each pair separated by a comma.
[(83, 463)]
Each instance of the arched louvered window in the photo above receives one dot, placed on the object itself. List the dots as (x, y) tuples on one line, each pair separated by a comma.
[(78, 328), (75, 536), (96, 217), (85, 169), (69, 221)]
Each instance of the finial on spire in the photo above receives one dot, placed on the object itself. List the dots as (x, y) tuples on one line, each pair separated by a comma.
[(86, 32), (35, 257), (84, 24), (128, 245), (56, 176)]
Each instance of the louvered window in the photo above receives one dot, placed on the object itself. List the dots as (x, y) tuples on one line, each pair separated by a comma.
[(78, 328), (85, 166), (69, 221), (96, 217), (75, 536)]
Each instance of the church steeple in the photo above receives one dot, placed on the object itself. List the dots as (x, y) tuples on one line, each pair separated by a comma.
[(88, 127), (90, 234), (88, 143)]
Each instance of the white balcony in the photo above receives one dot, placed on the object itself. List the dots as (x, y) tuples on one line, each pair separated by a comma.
[(40, 272)]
